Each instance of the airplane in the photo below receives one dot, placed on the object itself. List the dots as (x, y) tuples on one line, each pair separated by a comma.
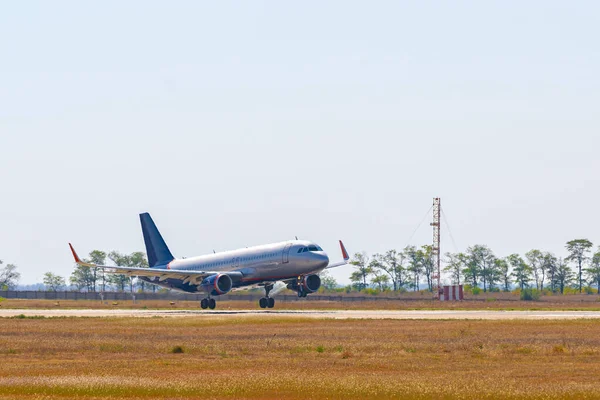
[(296, 263)]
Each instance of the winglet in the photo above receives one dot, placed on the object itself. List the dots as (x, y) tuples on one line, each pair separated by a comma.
[(77, 259), (344, 252)]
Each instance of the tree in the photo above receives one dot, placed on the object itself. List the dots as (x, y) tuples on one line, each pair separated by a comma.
[(503, 269), (593, 272), (53, 282), (362, 270), (521, 271), (9, 277), (549, 261), (415, 265), (471, 272), (328, 282), (82, 277), (138, 259), (99, 258), (578, 249), (563, 275), (381, 280), (483, 261), (535, 259), (455, 265), (392, 264), (426, 257), (494, 275), (119, 280)]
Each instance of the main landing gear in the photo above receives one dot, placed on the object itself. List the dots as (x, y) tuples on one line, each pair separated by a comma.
[(267, 302), (208, 303)]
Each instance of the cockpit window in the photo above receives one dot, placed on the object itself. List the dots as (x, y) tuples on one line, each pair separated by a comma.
[(311, 247)]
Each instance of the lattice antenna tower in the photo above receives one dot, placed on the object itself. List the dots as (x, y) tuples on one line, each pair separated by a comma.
[(435, 250)]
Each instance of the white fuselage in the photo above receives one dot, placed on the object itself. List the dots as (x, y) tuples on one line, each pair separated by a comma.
[(258, 264)]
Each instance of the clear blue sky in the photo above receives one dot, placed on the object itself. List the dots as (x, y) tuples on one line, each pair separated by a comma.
[(240, 123)]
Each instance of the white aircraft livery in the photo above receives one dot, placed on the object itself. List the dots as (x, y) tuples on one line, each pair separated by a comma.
[(296, 263)]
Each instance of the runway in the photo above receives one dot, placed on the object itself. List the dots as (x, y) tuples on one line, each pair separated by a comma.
[(320, 314)]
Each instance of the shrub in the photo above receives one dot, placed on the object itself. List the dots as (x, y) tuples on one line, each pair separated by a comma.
[(571, 290), (23, 316), (475, 290), (558, 349), (524, 350), (346, 355), (320, 349), (530, 294), (589, 290), (177, 350), (372, 292)]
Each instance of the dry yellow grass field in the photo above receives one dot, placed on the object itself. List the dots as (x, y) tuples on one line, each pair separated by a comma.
[(296, 358), (548, 303)]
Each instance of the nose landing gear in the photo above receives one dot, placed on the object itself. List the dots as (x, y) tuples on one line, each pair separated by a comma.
[(301, 292), (267, 302)]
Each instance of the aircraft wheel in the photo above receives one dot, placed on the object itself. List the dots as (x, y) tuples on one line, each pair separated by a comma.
[(270, 302), (263, 302), (212, 304), (204, 304)]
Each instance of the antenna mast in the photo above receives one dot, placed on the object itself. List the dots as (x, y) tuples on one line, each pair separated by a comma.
[(435, 250)]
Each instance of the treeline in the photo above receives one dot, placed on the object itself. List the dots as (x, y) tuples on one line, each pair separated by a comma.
[(87, 278), (479, 267), (93, 279)]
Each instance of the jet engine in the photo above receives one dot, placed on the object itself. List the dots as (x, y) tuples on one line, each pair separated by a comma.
[(217, 284), (308, 284)]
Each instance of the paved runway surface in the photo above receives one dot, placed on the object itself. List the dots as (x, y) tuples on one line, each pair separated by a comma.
[(333, 314)]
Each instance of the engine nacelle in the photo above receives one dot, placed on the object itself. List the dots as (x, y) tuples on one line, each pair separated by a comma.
[(217, 284), (308, 284)]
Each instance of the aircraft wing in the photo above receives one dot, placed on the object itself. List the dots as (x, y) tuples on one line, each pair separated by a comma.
[(162, 274), (344, 255)]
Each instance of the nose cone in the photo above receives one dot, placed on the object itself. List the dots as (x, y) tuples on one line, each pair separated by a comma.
[(319, 259)]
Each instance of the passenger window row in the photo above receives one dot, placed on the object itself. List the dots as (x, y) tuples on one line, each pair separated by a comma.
[(260, 257)]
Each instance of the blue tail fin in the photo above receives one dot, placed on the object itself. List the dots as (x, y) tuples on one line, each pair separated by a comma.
[(156, 248)]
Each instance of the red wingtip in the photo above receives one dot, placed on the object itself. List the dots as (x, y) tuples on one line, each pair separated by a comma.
[(77, 260), (344, 252)]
